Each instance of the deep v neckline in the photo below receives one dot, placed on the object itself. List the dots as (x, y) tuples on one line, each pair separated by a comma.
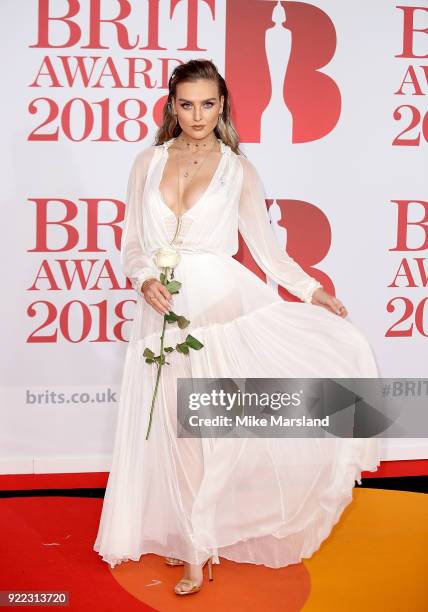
[(165, 154)]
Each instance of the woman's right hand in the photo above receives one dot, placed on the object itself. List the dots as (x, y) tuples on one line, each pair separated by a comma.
[(157, 296)]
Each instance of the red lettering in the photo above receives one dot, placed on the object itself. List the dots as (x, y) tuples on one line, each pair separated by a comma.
[(70, 210), (403, 224), (45, 19), (409, 30)]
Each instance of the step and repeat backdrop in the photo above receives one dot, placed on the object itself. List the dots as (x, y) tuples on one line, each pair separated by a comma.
[(330, 101)]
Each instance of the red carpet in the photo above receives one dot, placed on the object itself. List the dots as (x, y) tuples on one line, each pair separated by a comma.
[(374, 558)]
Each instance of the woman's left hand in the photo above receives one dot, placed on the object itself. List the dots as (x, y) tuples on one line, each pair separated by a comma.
[(324, 299)]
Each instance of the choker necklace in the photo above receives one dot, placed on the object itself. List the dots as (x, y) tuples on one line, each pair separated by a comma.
[(200, 145), (202, 152)]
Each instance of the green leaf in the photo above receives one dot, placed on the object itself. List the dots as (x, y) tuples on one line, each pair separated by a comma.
[(171, 317), (182, 348), (182, 322), (149, 360), (168, 349), (173, 286), (160, 359), (148, 353), (193, 342), (162, 278)]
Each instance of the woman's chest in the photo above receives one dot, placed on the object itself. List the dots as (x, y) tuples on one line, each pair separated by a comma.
[(185, 180), (216, 196)]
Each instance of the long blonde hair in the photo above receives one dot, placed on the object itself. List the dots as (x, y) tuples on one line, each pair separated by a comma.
[(191, 71)]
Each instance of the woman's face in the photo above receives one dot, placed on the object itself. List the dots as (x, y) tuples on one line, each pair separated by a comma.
[(197, 103)]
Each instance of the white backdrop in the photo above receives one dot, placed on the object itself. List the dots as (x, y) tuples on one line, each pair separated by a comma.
[(67, 148)]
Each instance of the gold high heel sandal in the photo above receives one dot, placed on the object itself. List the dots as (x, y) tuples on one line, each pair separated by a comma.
[(195, 586), (173, 561)]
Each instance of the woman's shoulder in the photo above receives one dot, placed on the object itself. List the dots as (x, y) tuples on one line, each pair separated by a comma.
[(145, 155), (248, 167), (143, 158)]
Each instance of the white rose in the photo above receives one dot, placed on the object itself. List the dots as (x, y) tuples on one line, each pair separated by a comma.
[(167, 257)]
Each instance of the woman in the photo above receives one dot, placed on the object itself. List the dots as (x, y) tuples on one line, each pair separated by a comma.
[(255, 500)]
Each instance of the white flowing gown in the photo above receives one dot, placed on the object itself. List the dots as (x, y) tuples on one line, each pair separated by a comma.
[(264, 501)]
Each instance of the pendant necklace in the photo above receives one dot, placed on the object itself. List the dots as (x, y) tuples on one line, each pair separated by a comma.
[(186, 174)]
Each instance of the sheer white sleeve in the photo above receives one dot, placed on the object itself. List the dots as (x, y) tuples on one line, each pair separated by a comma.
[(255, 228), (136, 265)]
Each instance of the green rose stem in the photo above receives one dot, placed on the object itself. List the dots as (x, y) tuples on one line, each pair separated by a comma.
[(159, 365), (183, 347), (157, 378)]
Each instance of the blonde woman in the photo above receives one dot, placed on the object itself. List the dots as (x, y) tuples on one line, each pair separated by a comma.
[(190, 500)]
